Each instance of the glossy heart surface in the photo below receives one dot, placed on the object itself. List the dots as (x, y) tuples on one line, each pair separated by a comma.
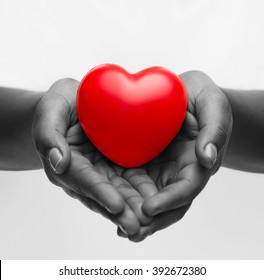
[(131, 118)]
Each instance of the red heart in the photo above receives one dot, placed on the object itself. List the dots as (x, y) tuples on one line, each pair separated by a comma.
[(131, 118)]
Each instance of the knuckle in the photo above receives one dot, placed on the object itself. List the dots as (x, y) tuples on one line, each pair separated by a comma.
[(197, 74), (221, 134), (218, 97), (221, 131), (194, 75), (224, 105), (65, 84), (40, 139)]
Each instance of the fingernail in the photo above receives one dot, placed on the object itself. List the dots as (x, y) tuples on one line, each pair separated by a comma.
[(123, 230), (108, 210), (55, 158), (211, 152)]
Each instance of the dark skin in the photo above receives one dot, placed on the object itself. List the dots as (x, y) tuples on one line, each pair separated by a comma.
[(17, 109), (158, 194), (143, 200), (83, 172), (245, 150), (183, 169)]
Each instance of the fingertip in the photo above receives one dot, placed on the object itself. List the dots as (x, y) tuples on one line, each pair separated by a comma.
[(127, 231), (116, 205), (59, 161), (151, 207), (121, 232), (64, 164), (142, 234), (128, 222), (204, 160), (207, 155), (133, 228), (135, 203), (145, 219), (211, 153), (137, 239)]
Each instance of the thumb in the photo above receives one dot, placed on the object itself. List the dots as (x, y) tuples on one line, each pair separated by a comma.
[(215, 122), (49, 129)]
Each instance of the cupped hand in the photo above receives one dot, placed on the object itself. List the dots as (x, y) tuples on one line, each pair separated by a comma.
[(73, 163), (196, 153)]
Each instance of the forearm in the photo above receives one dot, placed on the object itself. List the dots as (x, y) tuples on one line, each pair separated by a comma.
[(17, 108), (245, 150)]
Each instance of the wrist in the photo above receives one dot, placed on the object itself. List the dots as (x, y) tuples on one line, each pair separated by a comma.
[(17, 111)]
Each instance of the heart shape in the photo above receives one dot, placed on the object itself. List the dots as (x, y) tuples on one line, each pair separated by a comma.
[(131, 118)]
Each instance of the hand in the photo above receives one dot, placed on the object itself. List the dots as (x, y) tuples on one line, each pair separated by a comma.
[(72, 162), (183, 169)]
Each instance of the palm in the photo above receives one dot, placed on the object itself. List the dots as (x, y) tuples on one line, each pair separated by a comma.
[(87, 159), (176, 166), (84, 173), (184, 167), (137, 186), (178, 177), (162, 189), (178, 158)]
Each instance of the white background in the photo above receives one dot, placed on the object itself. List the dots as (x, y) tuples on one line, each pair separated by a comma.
[(215, 269), (42, 41)]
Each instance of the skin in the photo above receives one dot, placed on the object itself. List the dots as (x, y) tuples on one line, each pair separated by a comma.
[(143, 200), (83, 172), (245, 150), (36, 124), (17, 151), (183, 169)]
